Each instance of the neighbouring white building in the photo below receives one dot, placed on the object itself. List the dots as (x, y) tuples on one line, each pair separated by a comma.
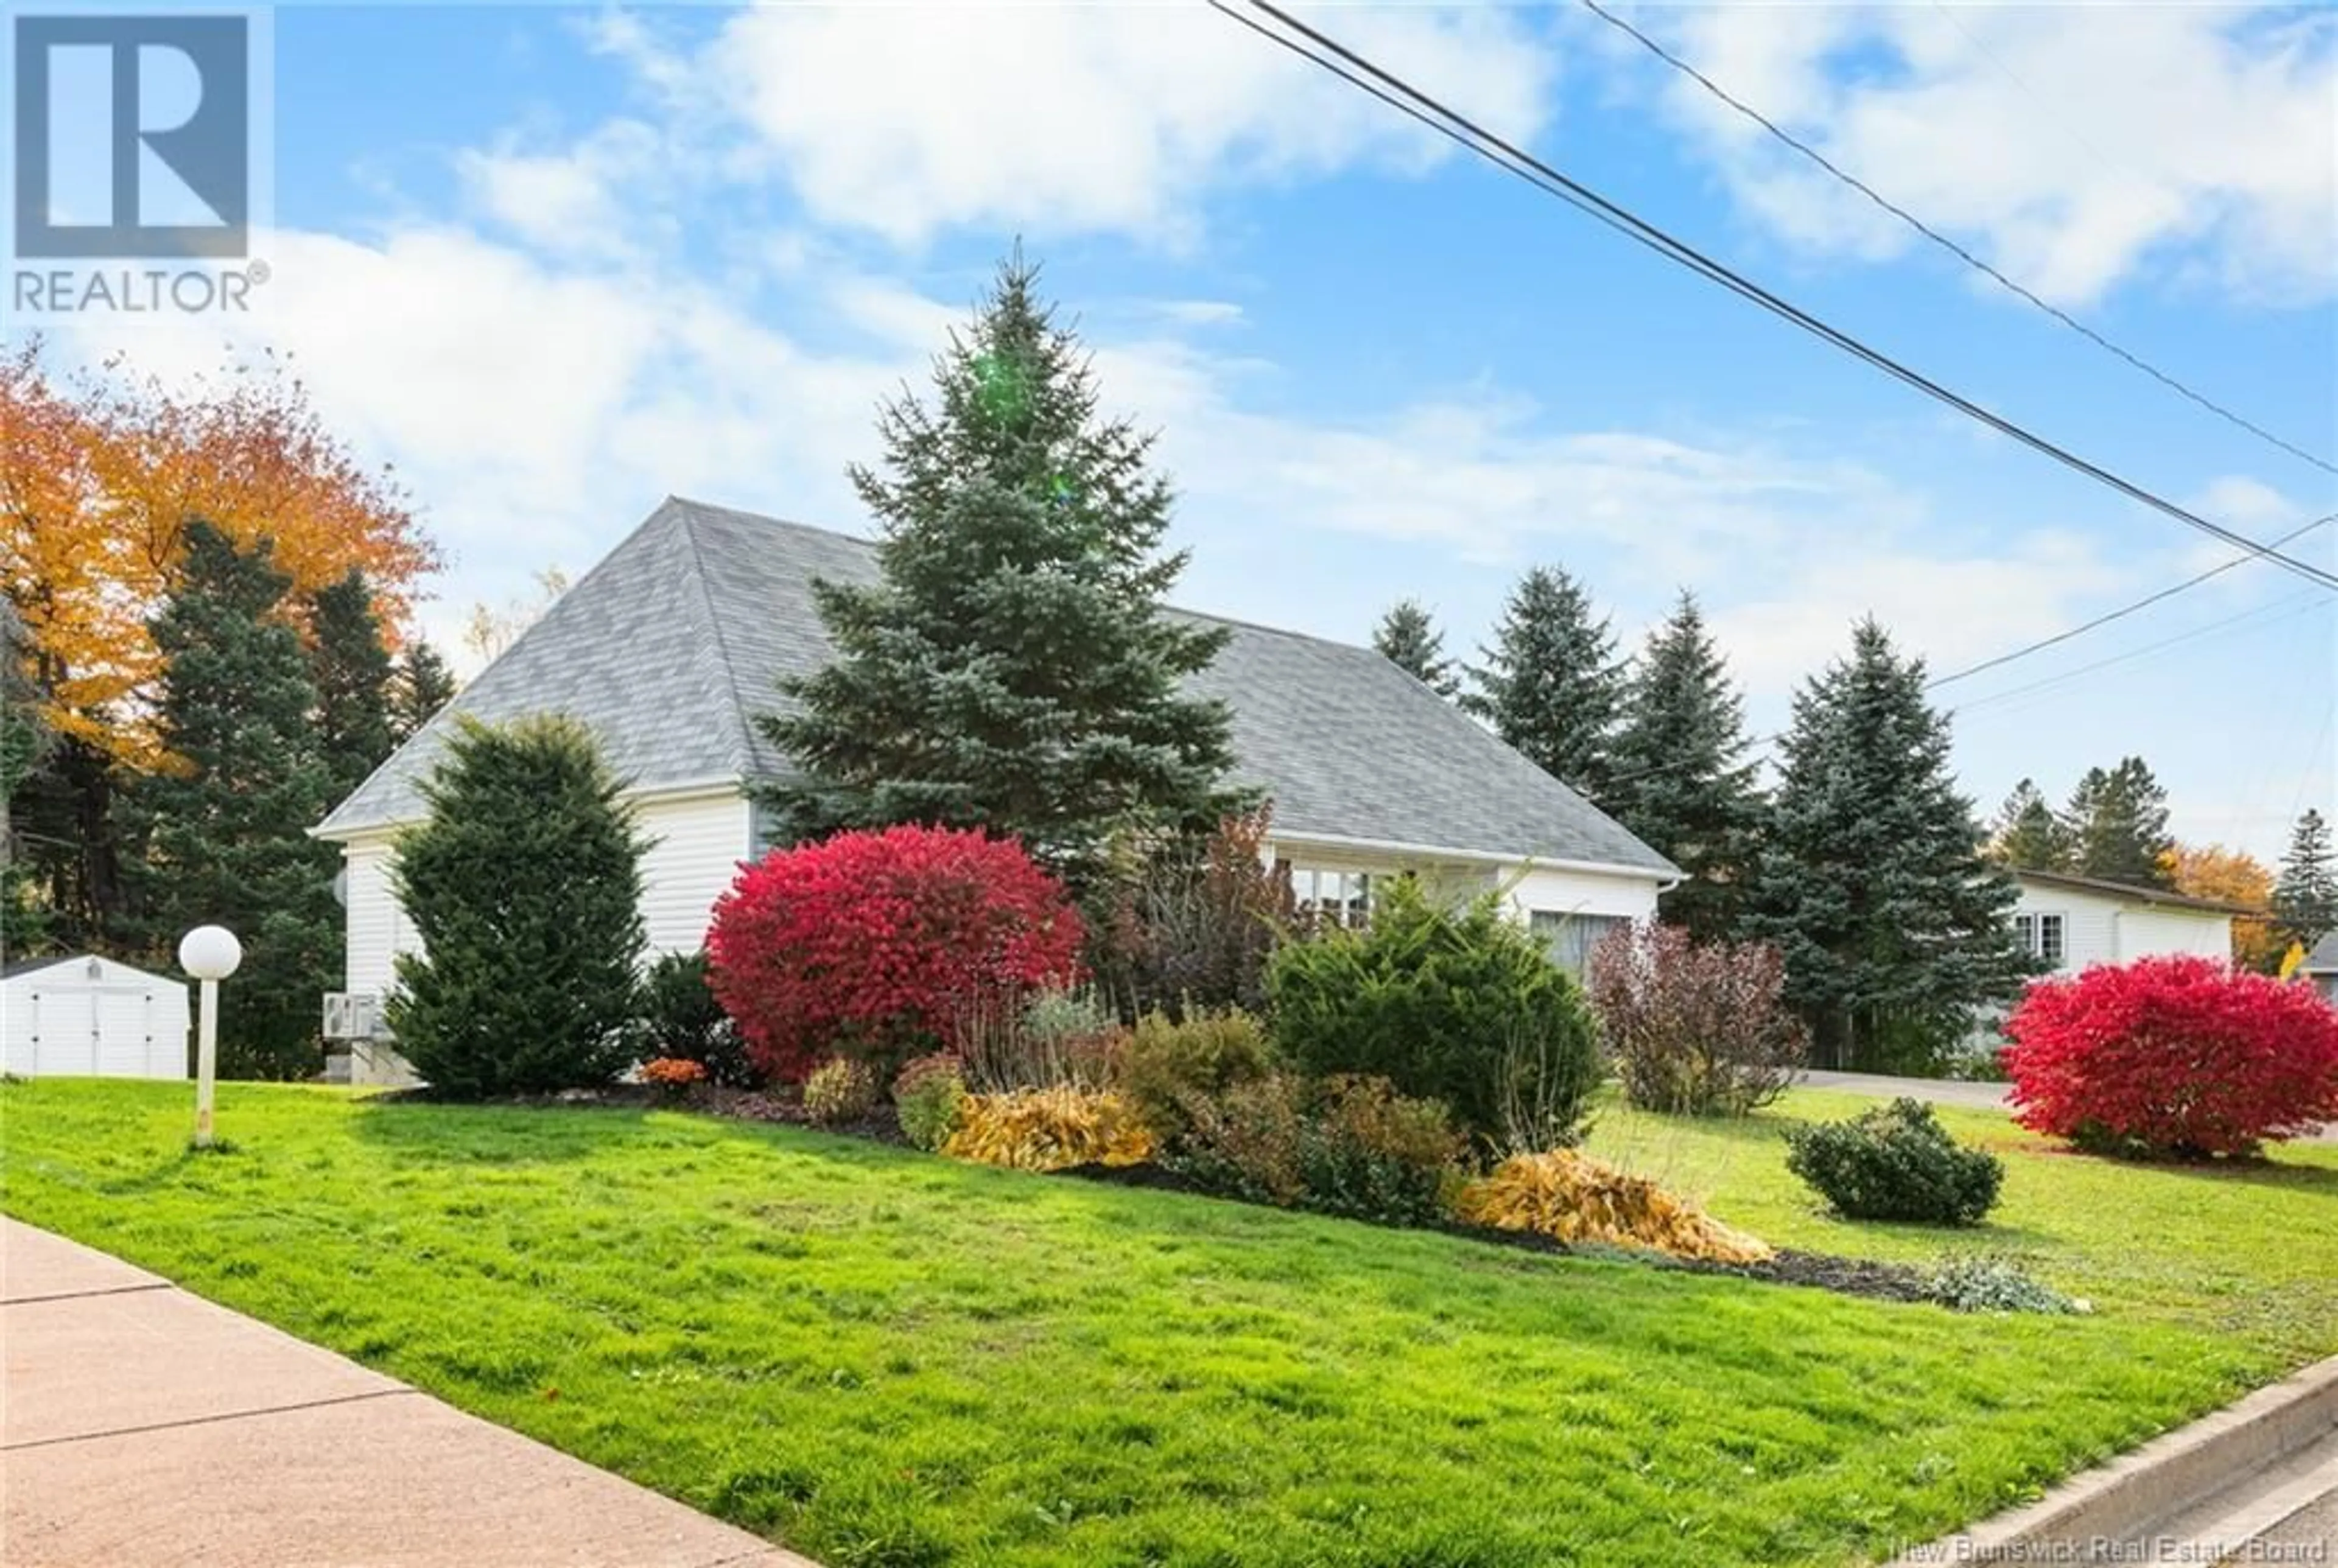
[(2072, 922), (675, 643), (86, 1016)]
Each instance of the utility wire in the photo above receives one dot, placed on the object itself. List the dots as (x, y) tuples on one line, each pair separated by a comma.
[(1944, 242), (2295, 604), (2122, 612), (1466, 133)]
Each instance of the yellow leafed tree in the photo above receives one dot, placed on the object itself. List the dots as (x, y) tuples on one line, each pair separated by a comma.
[(100, 474), (2231, 876)]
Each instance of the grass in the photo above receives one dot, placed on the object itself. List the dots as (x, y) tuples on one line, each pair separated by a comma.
[(890, 1361)]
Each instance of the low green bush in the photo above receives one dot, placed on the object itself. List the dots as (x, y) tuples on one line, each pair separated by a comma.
[(840, 1090), (1349, 1146), (1896, 1163), (1165, 1061), (681, 1021), (929, 1096), (1986, 1284), (1456, 1004)]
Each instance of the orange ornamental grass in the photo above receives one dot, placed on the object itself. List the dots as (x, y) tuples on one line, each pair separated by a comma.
[(1570, 1196), (99, 474)]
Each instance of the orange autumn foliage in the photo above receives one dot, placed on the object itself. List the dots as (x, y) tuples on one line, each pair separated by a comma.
[(100, 474), (2232, 877)]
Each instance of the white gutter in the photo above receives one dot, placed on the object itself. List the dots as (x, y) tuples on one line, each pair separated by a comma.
[(1478, 857)]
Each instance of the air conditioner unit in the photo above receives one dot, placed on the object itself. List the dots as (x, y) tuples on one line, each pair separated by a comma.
[(354, 1016)]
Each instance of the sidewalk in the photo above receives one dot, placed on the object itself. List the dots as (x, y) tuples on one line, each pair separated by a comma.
[(140, 1424)]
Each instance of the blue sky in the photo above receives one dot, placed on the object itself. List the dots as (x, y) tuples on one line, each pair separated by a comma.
[(555, 263)]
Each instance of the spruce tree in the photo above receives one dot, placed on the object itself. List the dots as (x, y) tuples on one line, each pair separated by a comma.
[(420, 686), (2118, 826), (25, 744), (225, 822), (2306, 894), (1894, 927), (524, 887), (1681, 782), (351, 669), (1551, 685), (1409, 639), (1012, 668), (2029, 834)]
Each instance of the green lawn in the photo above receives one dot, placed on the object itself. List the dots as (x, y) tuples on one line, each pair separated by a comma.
[(888, 1360)]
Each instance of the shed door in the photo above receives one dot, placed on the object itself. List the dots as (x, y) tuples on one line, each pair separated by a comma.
[(125, 1032), (64, 1031)]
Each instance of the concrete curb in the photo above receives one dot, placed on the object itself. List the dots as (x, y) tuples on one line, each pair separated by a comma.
[(2125, 1499)]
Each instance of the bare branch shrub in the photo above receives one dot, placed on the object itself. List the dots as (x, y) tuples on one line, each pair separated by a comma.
[(1695, 1028)]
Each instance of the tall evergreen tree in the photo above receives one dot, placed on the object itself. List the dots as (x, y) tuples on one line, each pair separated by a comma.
[(2118, 826), (2306, 894), (351, 669), (2029, 834), (1012, 668), (525, 888), (1895, 929), (25, 744), (1681, 780), (1409, 639), (226, 823), (1552, 686), (420, 686)]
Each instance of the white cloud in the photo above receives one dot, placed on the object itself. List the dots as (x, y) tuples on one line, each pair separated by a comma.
[(535, 410), (904, 121), (2074, 143), (576, 200)]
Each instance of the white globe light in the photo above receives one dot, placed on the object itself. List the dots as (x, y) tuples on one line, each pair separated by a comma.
[(210, 952)]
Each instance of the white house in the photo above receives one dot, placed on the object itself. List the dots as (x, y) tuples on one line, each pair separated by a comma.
[(672, 646), (2321, 966), (87, 1016), (2072, 922)]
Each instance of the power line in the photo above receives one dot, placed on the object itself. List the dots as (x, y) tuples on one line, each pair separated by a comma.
[(1466, 133), (2123, 611), (1943, 241), (2296, 604)]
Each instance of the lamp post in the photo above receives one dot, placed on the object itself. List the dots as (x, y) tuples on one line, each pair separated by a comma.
[(210, 954)]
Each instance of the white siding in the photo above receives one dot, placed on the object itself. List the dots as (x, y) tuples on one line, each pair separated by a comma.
[(1528, 890), (2105, 928), (697, 843), (375, 925), (2148, 931), (1541, 889)]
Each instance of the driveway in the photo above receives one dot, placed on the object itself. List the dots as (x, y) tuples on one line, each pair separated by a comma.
[(140, 1424), (1950, 1092)]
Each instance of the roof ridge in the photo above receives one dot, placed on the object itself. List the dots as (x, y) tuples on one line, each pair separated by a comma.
[(727, 671), (764, 517)]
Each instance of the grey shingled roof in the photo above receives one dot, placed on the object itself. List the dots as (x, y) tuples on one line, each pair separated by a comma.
[(671, 645)]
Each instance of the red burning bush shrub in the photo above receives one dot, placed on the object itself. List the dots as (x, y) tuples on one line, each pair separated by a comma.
[(2172, 1056), (876, 944)]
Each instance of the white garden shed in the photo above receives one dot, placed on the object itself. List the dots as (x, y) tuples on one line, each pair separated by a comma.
[(91, 1017)]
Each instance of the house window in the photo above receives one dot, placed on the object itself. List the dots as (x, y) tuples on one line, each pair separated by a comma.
[(1336, 897), (1569, 937), (2040, 936)]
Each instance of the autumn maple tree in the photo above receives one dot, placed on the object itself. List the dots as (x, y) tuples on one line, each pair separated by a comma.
[(2231, 876), (102, 473)]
